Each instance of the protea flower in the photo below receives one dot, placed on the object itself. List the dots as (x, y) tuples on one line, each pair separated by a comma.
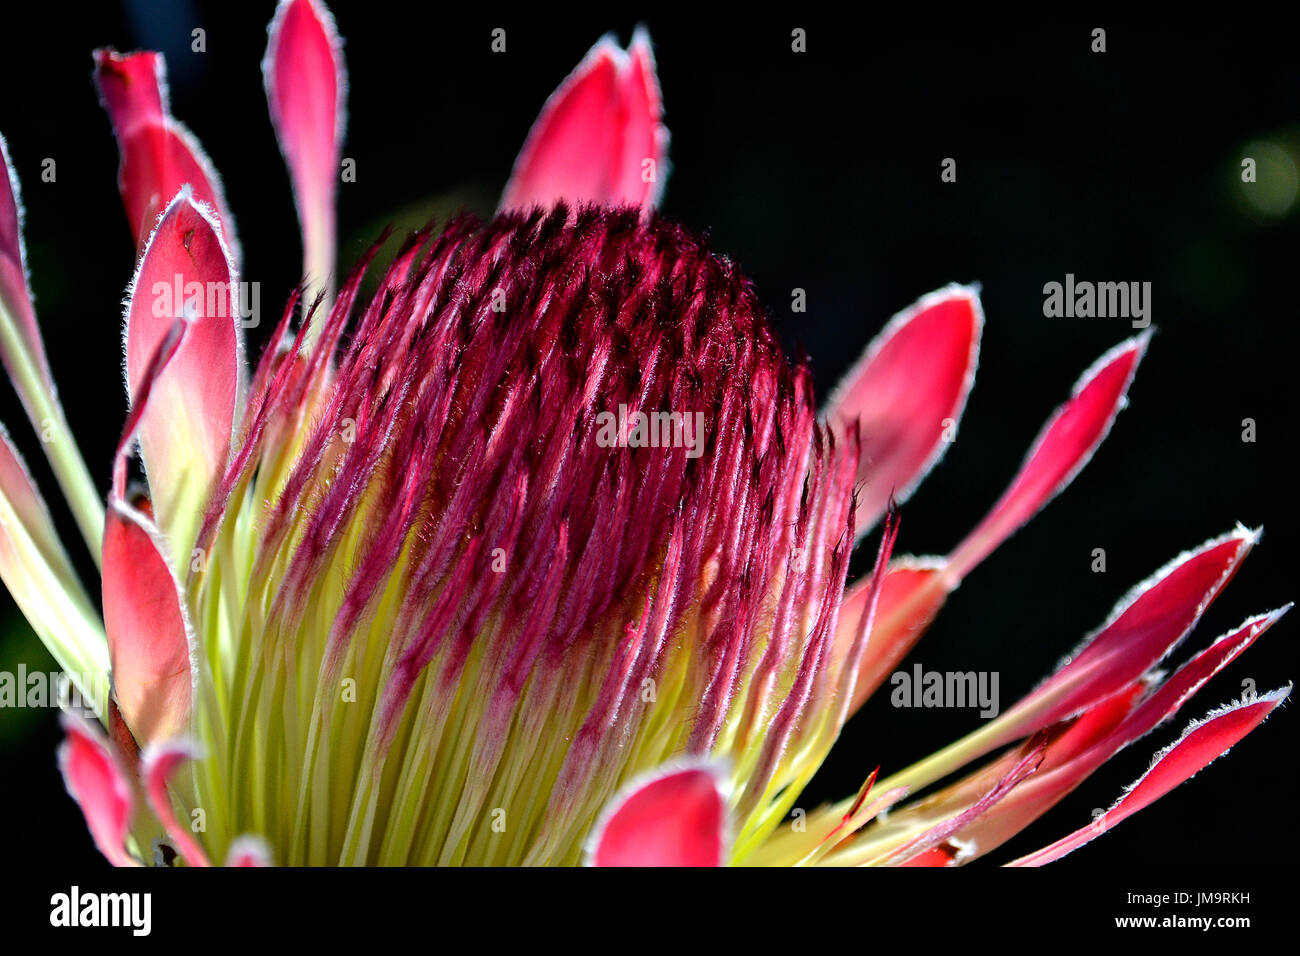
[(539, 555)]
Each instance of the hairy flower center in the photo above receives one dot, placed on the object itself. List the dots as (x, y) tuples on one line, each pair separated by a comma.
[(558, 513)]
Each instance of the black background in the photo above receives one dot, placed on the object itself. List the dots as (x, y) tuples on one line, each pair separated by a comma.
[(818, 171)]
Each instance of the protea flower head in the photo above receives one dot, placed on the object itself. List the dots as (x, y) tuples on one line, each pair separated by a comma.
[(539, 554)]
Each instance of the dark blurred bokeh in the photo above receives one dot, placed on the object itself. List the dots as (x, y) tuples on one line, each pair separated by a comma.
[(817, 171)]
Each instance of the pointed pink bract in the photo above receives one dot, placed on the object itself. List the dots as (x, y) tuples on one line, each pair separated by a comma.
[(1145, 626), (1063, 447), (144, 615), (158, 764), (912, 595), (1061, 450), (100, 786), (1201, 744), (146, 631), (1188, 679), (185, 274), (599, 138), (675, 819), (1078, 748), (132, 87), (159, 155), (305, 86), (906, 394)]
